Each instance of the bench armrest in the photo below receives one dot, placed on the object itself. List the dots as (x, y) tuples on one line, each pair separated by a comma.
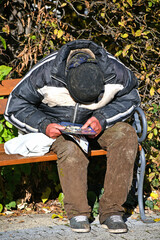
[(140, 124)]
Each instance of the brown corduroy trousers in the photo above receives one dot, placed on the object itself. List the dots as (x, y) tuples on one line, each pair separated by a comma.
[(121, 144)]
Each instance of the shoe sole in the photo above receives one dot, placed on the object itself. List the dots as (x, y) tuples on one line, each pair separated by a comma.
[(80, 230), (114, 230)]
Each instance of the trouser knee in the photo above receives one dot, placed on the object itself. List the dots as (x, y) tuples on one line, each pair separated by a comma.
[(128, 132), (67, 150)]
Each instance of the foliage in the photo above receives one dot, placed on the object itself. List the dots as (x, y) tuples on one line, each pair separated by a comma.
[(28, 182), (29, 30), (4, 70), (61, 198), (7, 130), (152, 145)]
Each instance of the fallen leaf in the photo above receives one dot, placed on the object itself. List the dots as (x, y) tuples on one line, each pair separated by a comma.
[(57, 216), (157, 219), (45, 195)]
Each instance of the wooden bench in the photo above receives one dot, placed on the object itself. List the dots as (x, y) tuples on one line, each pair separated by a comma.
[(7, 86)]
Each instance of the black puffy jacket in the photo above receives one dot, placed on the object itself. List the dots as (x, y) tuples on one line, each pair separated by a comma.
[(42, 98)]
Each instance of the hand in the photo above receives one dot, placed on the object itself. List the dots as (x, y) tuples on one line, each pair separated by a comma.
[(94, 124), (53, 130)]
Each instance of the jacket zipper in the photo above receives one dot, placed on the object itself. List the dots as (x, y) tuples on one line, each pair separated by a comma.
[(75, 112), (77, 104)]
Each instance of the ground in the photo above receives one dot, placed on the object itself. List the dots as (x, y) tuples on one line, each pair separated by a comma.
[(48, 221)]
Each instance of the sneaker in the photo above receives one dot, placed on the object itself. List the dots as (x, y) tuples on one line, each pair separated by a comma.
[(115, 224), (80, 224)]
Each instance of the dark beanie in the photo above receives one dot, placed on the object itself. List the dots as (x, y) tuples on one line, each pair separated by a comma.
[(84, 79)]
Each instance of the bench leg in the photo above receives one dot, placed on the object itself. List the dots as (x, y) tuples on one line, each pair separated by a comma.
[(141, 173)]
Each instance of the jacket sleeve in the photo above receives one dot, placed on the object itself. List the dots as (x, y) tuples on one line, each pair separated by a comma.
[(118, 110), (22, 108), (124, 102)]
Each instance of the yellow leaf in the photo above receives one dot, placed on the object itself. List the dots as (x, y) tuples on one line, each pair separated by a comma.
[(56, 216), (152, 91), (149, 47), (133, 32), (131, 57), (63, 4), (45, 195), (144, 64), (130, 2), (121, 24), (154, 195), (6, 29), (125, 51), (151, 108), (56, 31), (102, 15), (149, 128), (156, 207), (157, 80), (2, 17), (150, 136), (157, 219), (155, 131), (138, 33), (151, 176), (127, 47), (146, 32), (125, 35), (158, 124), (118, 53), (130, 14), (60, 33)]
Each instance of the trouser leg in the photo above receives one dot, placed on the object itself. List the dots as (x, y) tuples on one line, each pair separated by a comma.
[(121, 144), (72, 168)]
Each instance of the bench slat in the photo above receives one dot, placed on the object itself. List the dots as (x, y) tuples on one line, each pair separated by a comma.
[(3, 103), (6, 86), (14, 159)]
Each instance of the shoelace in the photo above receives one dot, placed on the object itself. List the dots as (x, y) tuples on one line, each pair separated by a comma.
[(80, 218), (116, 218)]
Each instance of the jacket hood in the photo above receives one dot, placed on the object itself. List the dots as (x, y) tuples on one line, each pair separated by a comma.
[(61, 58)]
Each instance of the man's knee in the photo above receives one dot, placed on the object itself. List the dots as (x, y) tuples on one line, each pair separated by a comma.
[(70, 148), (126, 131), (67, 150), (129, 140)]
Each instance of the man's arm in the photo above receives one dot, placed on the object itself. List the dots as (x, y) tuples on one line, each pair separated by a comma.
[(120, 109), (22, 109)]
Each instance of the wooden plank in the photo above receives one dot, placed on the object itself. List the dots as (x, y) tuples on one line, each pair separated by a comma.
[(15, 159), (1, 147), (99, 152), (3, 103), (6, 86)]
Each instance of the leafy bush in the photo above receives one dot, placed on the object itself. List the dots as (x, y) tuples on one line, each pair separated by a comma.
[(7, 130)]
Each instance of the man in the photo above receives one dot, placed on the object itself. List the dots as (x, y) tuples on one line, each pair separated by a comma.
[(82, 83)]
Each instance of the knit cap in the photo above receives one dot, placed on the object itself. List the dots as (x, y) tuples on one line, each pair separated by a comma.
[(84, 78)]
